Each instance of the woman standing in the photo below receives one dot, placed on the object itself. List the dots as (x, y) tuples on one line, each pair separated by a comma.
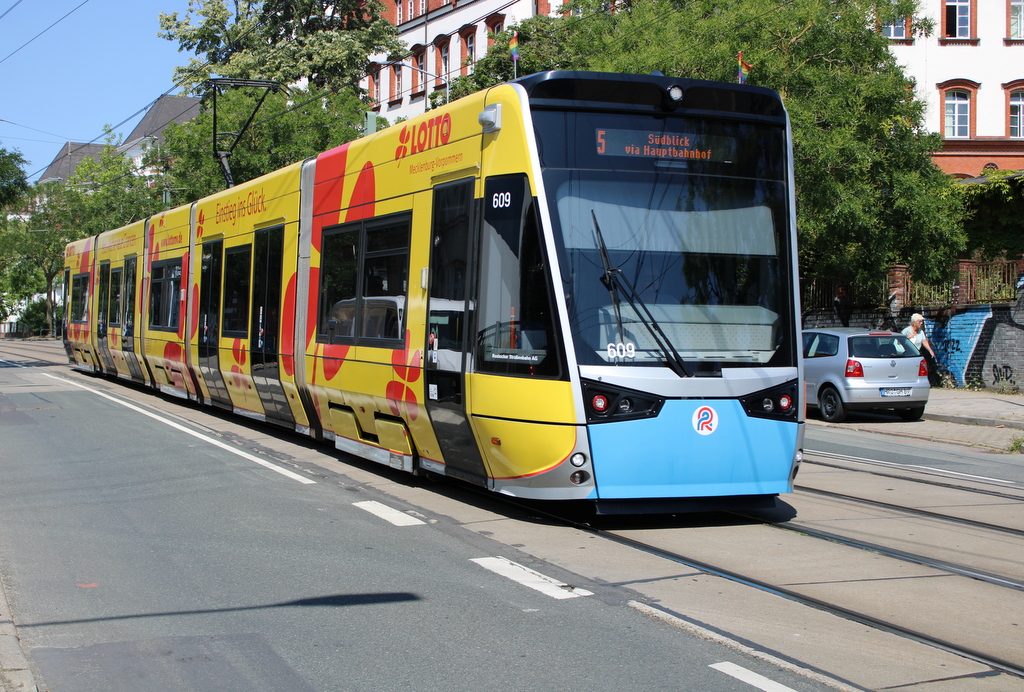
[(915, 332)]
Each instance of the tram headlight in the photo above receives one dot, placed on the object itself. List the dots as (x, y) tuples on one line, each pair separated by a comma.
[(675, 93), (599, 403), (768, 405), (579, 477), (625, 405), (578, 459)]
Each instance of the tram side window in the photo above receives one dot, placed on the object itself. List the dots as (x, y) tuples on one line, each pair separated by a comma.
[(364, 278), (516, 316), (80, 298), (385, 281), (236, 291), (114, 304), (164, 295), (339, 269)]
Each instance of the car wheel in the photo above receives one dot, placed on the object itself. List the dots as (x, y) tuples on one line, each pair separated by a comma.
[(912, 413), (831, 406)]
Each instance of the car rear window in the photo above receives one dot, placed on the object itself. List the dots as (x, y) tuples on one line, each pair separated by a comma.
[(883, 346), (820, 345)]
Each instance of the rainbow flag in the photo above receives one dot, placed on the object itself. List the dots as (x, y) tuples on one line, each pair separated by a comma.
[(743, 69), (513, 46)]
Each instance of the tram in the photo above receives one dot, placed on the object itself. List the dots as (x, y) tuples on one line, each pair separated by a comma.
[(573, 286)]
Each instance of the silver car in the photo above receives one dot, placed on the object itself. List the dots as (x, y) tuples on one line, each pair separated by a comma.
[(850, 369)]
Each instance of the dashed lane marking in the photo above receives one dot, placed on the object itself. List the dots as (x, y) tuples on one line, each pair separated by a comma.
[(528, 577), (388, 513), (217, 443), (750, 677)]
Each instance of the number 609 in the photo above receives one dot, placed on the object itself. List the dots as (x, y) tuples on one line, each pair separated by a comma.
[(621, 350)]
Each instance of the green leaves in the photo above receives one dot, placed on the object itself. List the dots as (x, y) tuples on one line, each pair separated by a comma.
[(320, 42), (868, 192)]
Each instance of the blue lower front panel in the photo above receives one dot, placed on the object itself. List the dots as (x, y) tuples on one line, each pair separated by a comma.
[(693, 448)]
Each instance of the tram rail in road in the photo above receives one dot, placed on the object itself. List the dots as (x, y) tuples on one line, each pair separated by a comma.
[(814, 570)]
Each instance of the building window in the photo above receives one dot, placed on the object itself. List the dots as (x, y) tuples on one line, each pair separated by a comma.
[(1016, 113), (398, 11), (411, 6), (419, 75), (896, 31), (445, 62), (495, 25), (375, 85), (423, 6), (469, 52), (956, 22), (1015, 29), (958, 114), (396, 83)]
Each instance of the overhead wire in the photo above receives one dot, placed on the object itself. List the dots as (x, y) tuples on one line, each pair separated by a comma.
[(43, 31), (562, 28), (7, 11)]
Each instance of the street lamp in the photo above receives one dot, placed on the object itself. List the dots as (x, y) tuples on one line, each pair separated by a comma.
[(447, 92)]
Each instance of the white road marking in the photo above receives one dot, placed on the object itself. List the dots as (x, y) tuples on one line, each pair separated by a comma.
[(528, 577), (388, 513), (713, 636), (217, 443), (750, 677), (847, 457)]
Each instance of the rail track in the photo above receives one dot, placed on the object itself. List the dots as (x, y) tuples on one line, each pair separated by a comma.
[(942, 570)]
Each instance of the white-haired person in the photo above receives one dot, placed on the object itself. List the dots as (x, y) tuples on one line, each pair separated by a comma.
[(915, 332)]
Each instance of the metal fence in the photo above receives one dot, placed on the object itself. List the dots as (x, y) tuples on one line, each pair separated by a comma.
[(976, 282)]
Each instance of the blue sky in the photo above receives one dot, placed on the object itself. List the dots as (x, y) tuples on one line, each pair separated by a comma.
[(97, 67)]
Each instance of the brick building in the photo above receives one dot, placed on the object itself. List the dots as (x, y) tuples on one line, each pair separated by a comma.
[(444, 38), (971, 75)]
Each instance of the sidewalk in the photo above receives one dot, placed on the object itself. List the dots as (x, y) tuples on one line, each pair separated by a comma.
[(982, 418)]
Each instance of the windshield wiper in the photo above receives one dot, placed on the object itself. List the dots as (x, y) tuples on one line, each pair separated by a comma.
[(614, 280)]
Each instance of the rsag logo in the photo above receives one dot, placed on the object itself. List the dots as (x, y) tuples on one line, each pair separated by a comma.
[(705, 420)]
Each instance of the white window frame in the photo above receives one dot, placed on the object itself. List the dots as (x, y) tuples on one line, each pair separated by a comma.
[(957, 114), (1017, 113), (961, 27)]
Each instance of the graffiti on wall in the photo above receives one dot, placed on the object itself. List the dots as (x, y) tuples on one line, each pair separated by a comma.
[(981, 346)]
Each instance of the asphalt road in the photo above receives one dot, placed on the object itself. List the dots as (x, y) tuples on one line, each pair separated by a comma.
[(147, 547)]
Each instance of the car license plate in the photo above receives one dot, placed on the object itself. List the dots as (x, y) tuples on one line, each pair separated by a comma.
[(895, 391)]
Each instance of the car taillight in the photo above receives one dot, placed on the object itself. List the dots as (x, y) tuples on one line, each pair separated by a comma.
[(854, 369), (922, 369)]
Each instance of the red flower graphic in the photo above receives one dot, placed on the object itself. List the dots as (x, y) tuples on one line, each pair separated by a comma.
[(399, 394)]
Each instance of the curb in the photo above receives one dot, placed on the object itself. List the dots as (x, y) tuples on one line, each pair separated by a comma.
[(970, 420), (15, 673)]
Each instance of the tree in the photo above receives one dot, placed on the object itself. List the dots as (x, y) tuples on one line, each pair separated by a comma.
[(326, 43), (288, 128), (13, 183), (868, 193), (99, 195), (995, 205)]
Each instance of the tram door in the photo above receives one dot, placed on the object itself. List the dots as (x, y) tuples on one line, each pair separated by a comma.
[(102, 320), (452, 247), (128, 320), (209, 332), (265, 332)]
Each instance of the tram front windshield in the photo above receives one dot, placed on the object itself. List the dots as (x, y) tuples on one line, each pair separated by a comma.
[(673, 239)]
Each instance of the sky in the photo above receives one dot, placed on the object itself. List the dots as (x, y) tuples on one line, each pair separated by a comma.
[(100, 65)]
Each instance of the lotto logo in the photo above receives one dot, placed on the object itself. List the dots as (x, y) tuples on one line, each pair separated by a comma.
[(705, 420)]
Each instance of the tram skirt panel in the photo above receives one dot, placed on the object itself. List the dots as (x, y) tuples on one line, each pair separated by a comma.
[(693, 449)]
